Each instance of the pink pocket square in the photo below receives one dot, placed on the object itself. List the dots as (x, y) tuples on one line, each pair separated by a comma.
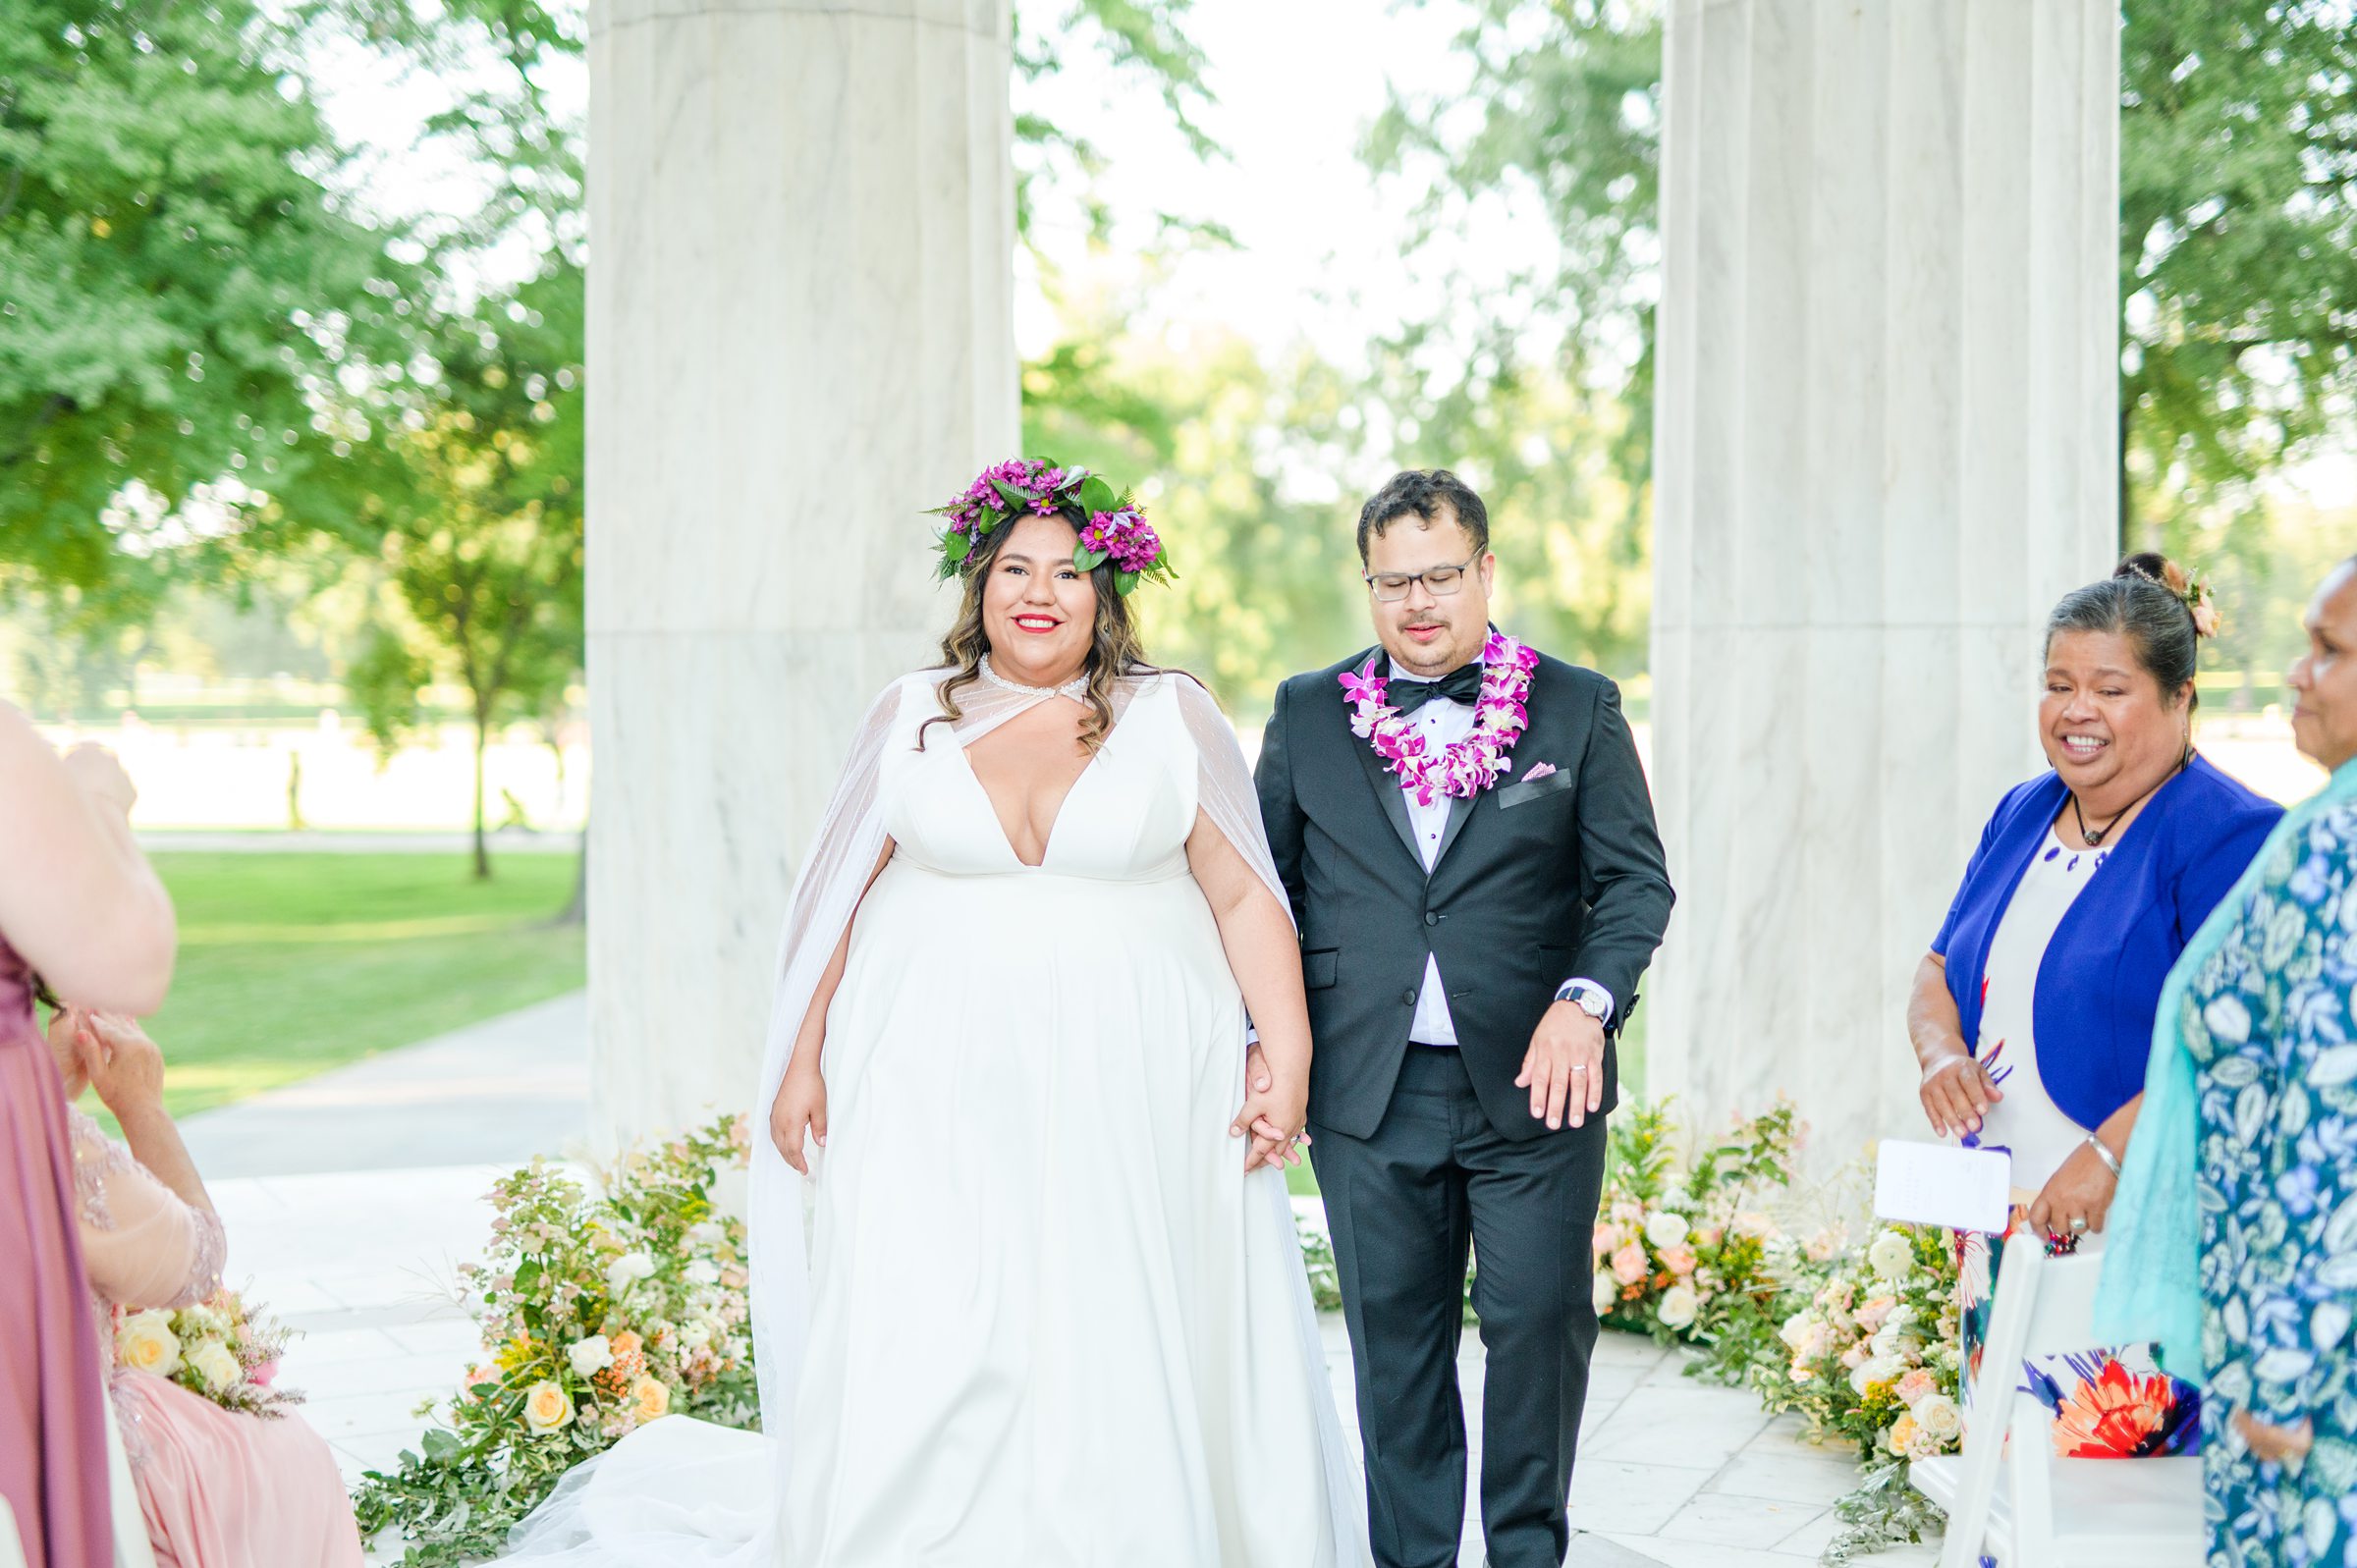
[(1538, 772)]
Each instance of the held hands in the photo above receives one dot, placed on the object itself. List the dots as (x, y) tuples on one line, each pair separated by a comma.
[(1564, 1068), (1957, 1093), (1274, 1120), (124, 1066), (801, 1107)]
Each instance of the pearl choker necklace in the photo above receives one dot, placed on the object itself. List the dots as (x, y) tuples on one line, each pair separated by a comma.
[(1076, 688)]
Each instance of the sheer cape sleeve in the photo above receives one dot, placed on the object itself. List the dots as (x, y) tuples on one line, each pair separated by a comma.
[(1224, 786), (144, 1245)]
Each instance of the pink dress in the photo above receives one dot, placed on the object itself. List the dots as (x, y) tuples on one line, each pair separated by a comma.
[(219, 1489), (52, 1424)]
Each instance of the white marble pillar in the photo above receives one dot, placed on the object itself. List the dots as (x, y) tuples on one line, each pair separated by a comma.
[(1884, 428), (802, 219)]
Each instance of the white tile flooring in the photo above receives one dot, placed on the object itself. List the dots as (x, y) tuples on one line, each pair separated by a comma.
[(1672, 1470)]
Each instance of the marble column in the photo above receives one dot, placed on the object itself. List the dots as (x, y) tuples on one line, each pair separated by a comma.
[(1884, 428), (802, 219)]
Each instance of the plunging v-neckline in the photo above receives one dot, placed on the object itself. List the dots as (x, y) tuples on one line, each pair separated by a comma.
[(1047, 842)]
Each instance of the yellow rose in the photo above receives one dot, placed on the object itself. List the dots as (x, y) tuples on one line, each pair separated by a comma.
[(1902, 1436), (545, 1407), (650, 1398), (147, 1343)]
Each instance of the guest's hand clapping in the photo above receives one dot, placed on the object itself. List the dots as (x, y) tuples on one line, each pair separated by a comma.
[(124, 1066), (100, 775)]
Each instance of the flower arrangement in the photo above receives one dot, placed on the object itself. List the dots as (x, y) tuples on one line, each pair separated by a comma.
[(1468, 767), (219, 1349), (600, 1311), (1111, 525), (1683, 1253)]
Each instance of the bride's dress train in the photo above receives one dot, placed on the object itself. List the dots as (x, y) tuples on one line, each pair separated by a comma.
[(1049, 1320)]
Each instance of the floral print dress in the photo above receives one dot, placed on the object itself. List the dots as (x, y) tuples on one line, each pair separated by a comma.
[(2109, 1403), (2269, 1023)]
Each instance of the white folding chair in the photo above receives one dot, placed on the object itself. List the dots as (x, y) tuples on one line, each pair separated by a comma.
[(2113, 1513), (11, 1544), (131, 1549)]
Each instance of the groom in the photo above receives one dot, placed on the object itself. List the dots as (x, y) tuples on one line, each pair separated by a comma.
[(1465, 832)]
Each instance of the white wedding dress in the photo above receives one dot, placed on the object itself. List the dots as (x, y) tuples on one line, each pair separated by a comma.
[(1047, 1319)]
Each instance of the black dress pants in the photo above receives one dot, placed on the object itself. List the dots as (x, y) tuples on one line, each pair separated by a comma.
[(1403, 1205)]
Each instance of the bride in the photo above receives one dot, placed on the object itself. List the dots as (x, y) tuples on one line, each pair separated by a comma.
[(1053, 1312)]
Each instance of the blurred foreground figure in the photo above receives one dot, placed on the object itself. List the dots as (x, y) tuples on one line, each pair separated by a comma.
[(80, 905), (218, 1487)]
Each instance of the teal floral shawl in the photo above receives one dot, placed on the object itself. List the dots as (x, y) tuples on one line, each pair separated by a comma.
[(2151, 1286)]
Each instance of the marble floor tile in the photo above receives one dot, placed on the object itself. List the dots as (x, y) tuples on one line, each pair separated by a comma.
[(1615, 1498), (1761, 1523)]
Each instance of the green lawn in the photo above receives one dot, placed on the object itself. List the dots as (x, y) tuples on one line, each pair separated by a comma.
[(294, 963), (1303, 1184)]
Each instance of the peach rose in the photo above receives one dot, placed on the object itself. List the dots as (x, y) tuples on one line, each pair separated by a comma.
[(1628, 1263), (650, 1399), (546, 1407)]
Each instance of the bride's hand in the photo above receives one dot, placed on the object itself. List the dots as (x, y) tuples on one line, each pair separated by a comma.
[(1273, 1116), (801, 1107)]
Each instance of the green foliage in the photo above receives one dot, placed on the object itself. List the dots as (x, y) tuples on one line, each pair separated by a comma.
[(2238, 247), (600, 1309), (290, 964), (177, 283)]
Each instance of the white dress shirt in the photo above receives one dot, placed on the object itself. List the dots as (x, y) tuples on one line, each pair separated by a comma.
[(1443, 723)]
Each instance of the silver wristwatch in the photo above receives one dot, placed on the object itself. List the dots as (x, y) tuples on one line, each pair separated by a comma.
[(1590, 998)]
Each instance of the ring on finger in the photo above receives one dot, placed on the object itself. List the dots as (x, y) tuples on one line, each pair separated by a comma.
[(2078, 1227)]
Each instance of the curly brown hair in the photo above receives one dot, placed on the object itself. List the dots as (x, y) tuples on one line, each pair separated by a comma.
[(1115, 647)]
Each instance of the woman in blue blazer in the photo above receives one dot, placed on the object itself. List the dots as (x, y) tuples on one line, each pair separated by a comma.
[(2032, 1016)]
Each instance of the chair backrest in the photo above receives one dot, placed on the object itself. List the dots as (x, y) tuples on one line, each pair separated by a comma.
[(2063, 1313), (11, 1544)]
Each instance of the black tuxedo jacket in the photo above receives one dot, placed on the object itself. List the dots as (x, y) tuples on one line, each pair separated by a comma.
[(1538, 880)]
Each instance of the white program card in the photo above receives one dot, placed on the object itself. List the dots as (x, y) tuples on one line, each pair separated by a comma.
[(1939, 1184)]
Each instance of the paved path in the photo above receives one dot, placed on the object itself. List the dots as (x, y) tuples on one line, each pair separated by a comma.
[(351, 1199), (496, 1093)]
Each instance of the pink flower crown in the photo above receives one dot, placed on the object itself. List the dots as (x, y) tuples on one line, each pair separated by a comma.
[(1111, 526)]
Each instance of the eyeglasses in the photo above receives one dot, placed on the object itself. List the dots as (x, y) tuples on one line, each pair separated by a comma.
[(1391, 586)]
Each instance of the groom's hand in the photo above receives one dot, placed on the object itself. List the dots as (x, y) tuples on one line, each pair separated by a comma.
[(1564, 1069)]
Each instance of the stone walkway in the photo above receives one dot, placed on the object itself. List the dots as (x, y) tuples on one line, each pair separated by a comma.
[(351, 1199)]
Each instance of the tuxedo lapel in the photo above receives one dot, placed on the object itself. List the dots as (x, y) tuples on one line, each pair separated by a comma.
[(1387, 794)]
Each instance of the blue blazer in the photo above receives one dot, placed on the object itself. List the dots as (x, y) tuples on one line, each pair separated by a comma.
[(2100, 981)]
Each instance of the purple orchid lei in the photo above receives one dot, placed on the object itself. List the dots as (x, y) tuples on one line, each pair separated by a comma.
[(1468, 767), (1111, 526)]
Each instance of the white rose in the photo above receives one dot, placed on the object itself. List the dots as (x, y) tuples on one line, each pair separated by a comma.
[(216, 1365), (1801, 1329), (1607, 1293), (702, 1271), (697, 1334), (1666, 1229), (1891, 1256), (591, 1355), (1940, 1419), (1678, 1307), (707, 1233), (545, 1407), (147, 1343), (627, 1271), (1873, 1370)]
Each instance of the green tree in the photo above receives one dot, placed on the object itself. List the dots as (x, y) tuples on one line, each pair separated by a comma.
[(482, 538), (2238, 250), (177, 287)]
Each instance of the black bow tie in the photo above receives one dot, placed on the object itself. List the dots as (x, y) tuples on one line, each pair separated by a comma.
[(1462, 684)]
